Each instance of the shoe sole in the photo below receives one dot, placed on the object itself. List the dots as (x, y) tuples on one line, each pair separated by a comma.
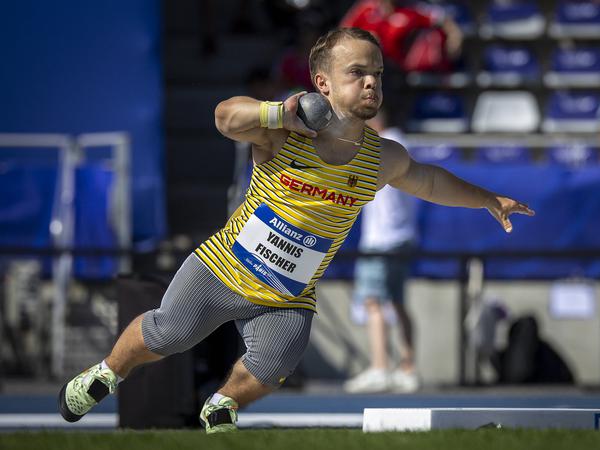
[(62, 407), (222, 429)]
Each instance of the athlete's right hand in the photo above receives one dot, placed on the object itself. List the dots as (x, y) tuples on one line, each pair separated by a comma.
[(291, 121), (502, 207)]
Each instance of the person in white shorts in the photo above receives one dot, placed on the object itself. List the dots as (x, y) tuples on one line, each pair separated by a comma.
[(388, 225)]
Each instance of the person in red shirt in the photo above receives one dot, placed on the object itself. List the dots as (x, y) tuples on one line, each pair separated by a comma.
[(414, 39), (368, 15)]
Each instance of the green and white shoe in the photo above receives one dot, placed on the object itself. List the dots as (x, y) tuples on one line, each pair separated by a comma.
[(85, 391), (220, 417)]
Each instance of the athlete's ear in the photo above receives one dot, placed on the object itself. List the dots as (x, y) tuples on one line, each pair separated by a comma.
[(322, 83)]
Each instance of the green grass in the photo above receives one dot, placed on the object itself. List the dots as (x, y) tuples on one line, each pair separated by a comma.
[(309, 439)]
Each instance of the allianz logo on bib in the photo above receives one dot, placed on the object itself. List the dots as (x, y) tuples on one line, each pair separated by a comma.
[(281, 226), (307, 240)]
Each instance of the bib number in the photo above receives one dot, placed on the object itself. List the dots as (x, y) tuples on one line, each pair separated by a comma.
[(278, 253)]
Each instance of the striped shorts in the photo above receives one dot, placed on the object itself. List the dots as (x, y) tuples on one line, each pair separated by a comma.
[(197, 303)]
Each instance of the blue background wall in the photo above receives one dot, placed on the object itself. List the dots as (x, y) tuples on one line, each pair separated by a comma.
[(567, 205), (80, 66)]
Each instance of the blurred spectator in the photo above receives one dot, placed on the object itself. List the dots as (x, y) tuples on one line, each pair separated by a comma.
[(414, 39), (388, 225), (292, 68)]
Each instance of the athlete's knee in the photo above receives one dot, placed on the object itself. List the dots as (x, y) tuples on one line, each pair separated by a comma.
[(164, 336), (272, 376), (271, 368)]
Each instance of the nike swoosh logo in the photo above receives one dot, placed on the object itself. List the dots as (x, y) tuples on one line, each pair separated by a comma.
[(296, 165)]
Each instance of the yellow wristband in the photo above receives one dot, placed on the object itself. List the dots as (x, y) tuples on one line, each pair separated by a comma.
[(271, 115)]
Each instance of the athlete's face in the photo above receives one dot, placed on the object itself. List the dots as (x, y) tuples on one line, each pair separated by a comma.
[(353, 81)]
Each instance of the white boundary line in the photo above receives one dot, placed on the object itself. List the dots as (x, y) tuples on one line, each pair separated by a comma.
[(300, 420), (246, 420), (110, 420)]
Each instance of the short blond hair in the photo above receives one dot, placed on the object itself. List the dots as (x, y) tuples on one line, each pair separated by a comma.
[(320, 54)]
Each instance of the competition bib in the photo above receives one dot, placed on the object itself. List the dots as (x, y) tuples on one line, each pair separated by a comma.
[(278, 253)]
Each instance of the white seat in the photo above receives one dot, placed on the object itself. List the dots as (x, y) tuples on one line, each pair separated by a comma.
[(514, 111)]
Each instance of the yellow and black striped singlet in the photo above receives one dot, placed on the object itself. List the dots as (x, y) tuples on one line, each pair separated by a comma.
[(297, 212)]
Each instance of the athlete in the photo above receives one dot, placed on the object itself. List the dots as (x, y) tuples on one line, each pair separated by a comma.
[(260, 270)]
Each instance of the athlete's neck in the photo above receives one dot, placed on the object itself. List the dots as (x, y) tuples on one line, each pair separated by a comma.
[(344, 128)]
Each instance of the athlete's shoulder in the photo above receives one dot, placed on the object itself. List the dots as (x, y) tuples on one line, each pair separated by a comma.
[(386, 139), (395, 160), (391, 148)]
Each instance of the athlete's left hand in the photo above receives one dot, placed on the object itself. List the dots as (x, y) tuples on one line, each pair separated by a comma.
[(502, 207)]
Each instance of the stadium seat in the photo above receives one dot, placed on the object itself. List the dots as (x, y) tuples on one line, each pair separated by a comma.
[(503, 154), (508, 66), (574, 68), (436, 154), (513, 20), (573, 155), (438, 113), (572, 112), (514, 111), (576, 19)]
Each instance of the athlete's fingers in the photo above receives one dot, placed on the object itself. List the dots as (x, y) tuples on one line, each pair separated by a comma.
[(291, 103), (523, 209), (506, 224), (303, 129), (502, 219)]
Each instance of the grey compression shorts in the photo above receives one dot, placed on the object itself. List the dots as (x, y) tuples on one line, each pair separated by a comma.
[(197, 303)]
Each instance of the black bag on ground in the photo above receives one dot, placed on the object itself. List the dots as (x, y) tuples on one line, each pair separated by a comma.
[(528, 359)]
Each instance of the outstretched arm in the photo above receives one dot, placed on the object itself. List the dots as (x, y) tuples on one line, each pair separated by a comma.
[(437, 185)]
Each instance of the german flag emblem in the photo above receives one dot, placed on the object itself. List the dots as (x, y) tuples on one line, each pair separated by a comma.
[(352, 180)]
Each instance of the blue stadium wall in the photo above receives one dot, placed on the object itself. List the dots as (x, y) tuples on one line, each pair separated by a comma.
[(72, 67)]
